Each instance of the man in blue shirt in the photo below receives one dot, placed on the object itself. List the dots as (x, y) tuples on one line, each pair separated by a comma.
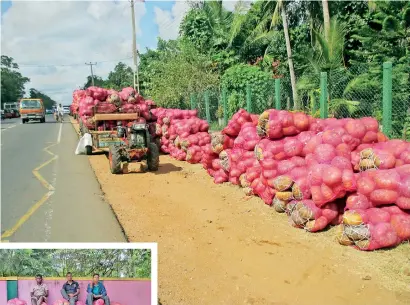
[(71, 290), (96, 290)]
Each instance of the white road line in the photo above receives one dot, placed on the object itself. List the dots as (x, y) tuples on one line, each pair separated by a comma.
[(11, 126), (59, 133)]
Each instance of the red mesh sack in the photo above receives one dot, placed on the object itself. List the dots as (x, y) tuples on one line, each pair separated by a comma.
[(307, 215), (221, 142), (247, 137), (375, 228), (235, 123)]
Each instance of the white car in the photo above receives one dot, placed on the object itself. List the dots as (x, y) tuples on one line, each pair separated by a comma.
[(66, 109)]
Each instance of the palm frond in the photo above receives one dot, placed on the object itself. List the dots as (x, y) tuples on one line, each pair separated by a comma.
[(276, 14), (343, 105), (239, 19)]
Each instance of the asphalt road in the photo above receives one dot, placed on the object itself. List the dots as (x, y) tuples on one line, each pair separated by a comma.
[(49, 194)]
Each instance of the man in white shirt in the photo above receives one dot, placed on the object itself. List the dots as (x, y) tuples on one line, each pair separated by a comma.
[(59, 111)]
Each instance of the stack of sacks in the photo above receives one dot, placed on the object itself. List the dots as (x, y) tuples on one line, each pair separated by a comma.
[(110, 101), (365, 130), (330, 171), (382, 187), (374, 228), (231, 151), (77, 96), (384, 155), (132, 102), (182, 134), (378, 215)]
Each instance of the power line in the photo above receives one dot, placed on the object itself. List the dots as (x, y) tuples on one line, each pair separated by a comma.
[(69, 65)]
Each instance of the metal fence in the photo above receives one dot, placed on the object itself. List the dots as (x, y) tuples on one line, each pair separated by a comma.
[(355, 92)]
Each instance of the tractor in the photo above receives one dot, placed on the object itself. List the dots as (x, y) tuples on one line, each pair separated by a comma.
[(136, 147), (125, 144)]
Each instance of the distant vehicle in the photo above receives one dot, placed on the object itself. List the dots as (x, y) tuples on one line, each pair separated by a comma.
[(2, 114), (32, 109), (49, 111), (8, 114), (11, 106), (66, 109)]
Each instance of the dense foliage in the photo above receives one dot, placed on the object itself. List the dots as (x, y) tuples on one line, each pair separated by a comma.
[(81, 262), (12, 82), (216, 47)]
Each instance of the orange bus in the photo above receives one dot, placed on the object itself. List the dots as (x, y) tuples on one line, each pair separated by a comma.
[(32, 109)]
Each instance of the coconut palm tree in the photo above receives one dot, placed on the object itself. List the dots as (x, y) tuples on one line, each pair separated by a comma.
[(275, 12), (326, 18)]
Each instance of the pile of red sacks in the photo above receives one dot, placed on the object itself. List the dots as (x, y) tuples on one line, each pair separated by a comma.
[(309, 168), (182, 134), (101, 100)]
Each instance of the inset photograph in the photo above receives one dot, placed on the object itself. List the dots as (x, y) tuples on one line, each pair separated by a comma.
[(77, 276)]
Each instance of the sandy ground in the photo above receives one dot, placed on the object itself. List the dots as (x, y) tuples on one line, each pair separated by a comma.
[(217, 246)]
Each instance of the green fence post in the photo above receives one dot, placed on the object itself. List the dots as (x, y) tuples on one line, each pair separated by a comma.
[(277, 94), (248, 98), (208, 113), (224, 105), (323, 95), (387, 98), (193, 101)]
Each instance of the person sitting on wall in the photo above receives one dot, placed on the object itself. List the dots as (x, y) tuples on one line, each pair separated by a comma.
[(96, 290), (71, 290), (39, 293)]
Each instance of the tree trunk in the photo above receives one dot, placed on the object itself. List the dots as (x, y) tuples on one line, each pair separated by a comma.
[(326, 18), (290, 61)]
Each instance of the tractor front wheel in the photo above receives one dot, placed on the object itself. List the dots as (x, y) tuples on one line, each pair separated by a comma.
[(153, 157), (114, 157)]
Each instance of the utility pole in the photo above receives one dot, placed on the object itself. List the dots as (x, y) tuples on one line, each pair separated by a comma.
[(92, 74), (134, 49)]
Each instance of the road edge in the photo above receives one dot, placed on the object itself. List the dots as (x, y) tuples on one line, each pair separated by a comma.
[(76, 128)]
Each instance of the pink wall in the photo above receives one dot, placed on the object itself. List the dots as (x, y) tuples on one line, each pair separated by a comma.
[(123, 292), (3, 292)]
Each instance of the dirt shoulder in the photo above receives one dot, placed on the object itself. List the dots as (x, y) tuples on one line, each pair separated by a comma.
[(217, 246)]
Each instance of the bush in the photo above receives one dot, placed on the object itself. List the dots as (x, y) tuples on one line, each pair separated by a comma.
[(235, 80)]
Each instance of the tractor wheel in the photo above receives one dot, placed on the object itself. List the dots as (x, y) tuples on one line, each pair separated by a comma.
[(88, 150), (114, 156), (153, 157)]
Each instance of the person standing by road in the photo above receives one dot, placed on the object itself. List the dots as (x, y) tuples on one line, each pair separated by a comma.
[(71, 290), (39, 292), (96, 290), (59, 112)]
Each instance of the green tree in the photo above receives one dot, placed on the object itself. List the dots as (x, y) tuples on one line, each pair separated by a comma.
[(12, 82), (177, 74), (98, 81), (48, 101), (122, 76), (124, 263)]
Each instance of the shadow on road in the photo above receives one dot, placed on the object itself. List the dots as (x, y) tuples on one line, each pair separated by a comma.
[(166, 168)]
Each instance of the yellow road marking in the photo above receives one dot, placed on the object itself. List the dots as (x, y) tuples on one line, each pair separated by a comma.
[(39, 203)]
